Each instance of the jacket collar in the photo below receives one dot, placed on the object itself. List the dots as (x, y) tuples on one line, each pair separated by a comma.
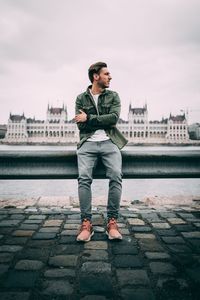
[(89, 88)]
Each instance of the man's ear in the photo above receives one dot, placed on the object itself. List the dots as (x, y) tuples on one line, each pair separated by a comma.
[(96, 76)]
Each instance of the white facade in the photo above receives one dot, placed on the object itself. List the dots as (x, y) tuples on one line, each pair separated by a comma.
[(57, 129)]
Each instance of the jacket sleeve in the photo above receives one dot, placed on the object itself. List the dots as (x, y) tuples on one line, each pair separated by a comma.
[(107, 120), (85, 126)]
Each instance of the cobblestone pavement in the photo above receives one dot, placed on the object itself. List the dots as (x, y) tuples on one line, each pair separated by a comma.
[(158, 258)]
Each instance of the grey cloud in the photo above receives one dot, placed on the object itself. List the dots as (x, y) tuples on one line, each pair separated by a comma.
[(52, 32), (151, 46)]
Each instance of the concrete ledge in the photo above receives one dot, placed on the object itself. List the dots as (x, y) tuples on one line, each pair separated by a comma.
[(63, 164)]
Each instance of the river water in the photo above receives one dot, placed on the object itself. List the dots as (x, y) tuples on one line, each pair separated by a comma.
[(132, 188)]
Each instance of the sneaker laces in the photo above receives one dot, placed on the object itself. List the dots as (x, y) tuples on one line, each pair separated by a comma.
[(112, 224), (86, 225)]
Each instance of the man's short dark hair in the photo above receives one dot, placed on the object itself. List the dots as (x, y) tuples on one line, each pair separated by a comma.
[(95, 69)]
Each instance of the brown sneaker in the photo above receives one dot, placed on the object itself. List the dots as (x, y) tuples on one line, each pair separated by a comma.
[(85, 231), (113, 231)]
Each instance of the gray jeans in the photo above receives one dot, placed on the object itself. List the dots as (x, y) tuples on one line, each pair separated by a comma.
[(87, 160)]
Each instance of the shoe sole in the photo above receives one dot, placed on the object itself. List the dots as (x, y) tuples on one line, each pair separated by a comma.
[(87, 239), (112, 238)]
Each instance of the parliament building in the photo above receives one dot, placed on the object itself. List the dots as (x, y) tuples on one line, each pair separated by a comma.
[(58, 129)]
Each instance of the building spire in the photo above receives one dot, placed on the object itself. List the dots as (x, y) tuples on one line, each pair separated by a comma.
[(130, 106), (145, 106)]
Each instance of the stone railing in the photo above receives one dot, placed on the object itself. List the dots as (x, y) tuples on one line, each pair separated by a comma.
[(136, 164)]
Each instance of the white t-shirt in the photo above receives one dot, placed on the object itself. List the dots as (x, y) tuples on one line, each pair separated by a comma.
[(100, 134)]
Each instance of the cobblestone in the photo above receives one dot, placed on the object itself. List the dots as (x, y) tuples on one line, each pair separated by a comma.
[(9, 223), (177, 248), (14, 296), (91, 255), (150, 245), (140, 228), (173, 240), (49, 229), (29, 265), (28, 226), (41, 254), (3, 269), (92, 297), (151, 217), (125, 250), (58, 273), (7, 248), (63, 261), (52, 223), (124, 231), (127, 261), (33, 221), (44, 236), (37, 217), (137, 294), (157, 255), (99, 229), (132, 277), (17, 216), (158, 258), (69, 232), (96, 245), (57, 288), (161, 225), (67, 249), (71, 226), (135, 221), (191, 235), (96, 284), (145, 236), (176, 221), (96, 268), (183, 227), (21, 279), (166, 232), (195, 243), (23, 232), (5, 257), (162, 268)]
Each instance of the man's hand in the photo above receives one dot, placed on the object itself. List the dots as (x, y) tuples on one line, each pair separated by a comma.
[(81, 118)]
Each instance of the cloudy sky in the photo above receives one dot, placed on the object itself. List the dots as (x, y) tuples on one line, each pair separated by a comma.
[(152, 48)]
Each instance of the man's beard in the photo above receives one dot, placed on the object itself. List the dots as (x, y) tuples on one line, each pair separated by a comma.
[(102, 85)]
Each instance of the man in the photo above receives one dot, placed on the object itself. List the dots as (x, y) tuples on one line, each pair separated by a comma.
[(97, 113)]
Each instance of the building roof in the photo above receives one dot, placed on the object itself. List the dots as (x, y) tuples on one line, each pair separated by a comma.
[(138, 111), (163, 121), (177, 118), (30, 120), (56, 110), (17, 118)]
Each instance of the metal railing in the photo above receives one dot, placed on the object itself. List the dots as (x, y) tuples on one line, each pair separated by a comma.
[(136, 164)]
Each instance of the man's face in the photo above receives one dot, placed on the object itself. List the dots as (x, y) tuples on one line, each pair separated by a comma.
[(103, 78)]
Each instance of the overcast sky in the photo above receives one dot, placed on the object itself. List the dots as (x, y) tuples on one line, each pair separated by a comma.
[(152, 48)]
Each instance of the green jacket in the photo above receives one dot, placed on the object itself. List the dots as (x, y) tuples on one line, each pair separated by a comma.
[(109, 110)]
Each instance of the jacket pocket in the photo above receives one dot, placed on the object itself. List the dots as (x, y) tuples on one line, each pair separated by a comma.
[(90, 109), (105, 108)]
